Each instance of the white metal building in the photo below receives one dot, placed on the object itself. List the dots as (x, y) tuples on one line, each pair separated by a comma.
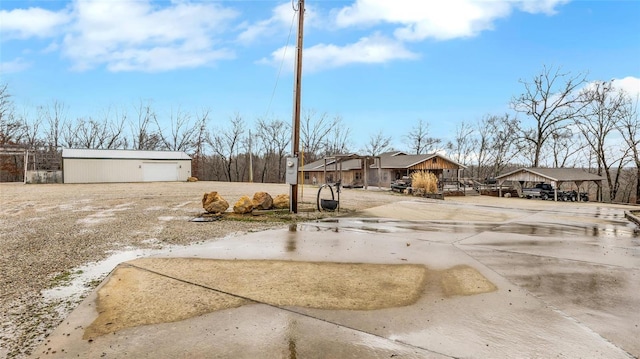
[(100, 166)]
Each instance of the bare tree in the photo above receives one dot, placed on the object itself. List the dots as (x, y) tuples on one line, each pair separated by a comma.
[(55, 116), (114, 138), (198, 164), (314, 129), (629, 127), (598, 119), (502, 145), (90, 133), (496, 145), (182, 134), (564, 146), (378, 143), (12, 132), (337, 140), (225, 143), (6, 104), (550, 99), (68, 135), (52, 117), (94, 134), (463, 144), (419, 141), (31, 126), (483, 146), (144, 137), (11, 129), (275, 137)]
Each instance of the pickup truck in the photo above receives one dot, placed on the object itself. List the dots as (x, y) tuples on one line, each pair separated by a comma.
[(546, 191), (541, 190)]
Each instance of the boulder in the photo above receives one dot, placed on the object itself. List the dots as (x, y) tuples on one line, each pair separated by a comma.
[(192, 179), (281, 201), (212, 202), (243, 206), (262, 200)]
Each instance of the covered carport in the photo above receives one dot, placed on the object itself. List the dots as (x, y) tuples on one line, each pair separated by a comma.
[(554, 176)]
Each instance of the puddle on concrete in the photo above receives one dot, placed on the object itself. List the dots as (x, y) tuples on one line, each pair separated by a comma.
[(596, 290), (386, 226), (564, 230), (538, 229), (84, 275), (161, 290)]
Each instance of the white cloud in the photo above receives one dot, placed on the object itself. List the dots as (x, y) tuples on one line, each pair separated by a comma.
[(13, 66), (540, 6), (442, 20), (147, 35), (163, 58), (136, 35), (282, 17), (32, 22), (629, 84), (367, 50)]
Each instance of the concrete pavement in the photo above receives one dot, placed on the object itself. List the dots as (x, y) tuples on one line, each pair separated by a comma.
[(494, 280)]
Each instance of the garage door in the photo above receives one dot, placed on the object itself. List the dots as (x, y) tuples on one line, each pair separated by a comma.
[(160, 172)]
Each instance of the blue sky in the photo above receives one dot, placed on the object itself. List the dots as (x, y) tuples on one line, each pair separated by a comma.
[(381, 65)]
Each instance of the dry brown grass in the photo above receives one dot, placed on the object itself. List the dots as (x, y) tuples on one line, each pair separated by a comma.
[(207, 285), (425, 181)]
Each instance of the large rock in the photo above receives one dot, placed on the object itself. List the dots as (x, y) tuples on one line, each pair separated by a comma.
[(281, 201), (192, 179), (212, 202), (262, 200), (243, 206)]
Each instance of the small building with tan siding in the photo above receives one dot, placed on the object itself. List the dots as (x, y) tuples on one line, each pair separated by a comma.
[(381, 170)]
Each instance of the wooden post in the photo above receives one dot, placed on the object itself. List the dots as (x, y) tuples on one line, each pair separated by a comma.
[(295, 143), (250, 159), (26, 161)]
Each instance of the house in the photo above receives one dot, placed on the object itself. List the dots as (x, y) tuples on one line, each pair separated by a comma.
[(380, 170), (103, 166)]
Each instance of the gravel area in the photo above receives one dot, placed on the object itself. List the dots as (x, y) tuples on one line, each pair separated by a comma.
[(48, 231), (50, 234)]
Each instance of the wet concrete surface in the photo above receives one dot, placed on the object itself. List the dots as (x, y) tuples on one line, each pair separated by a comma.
[(566, 283)]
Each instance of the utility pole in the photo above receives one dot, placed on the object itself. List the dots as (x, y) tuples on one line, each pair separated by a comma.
[(250, 159), (295, 143)]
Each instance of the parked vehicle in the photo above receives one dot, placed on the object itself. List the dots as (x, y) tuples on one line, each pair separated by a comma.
[(545, 191), (401, 184), (575, 196), (541, 190)]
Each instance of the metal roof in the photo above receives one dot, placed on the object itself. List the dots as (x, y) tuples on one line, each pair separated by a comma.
[(351, 164), (388, 160), (402, 160), (553, 174), (124, 154)]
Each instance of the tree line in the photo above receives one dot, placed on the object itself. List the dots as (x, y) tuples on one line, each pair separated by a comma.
[(560, 119)]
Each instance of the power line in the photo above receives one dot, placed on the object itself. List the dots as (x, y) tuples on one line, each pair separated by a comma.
[(284, 54)]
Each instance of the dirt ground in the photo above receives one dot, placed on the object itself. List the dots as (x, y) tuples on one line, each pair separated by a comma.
[(48, 230)]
